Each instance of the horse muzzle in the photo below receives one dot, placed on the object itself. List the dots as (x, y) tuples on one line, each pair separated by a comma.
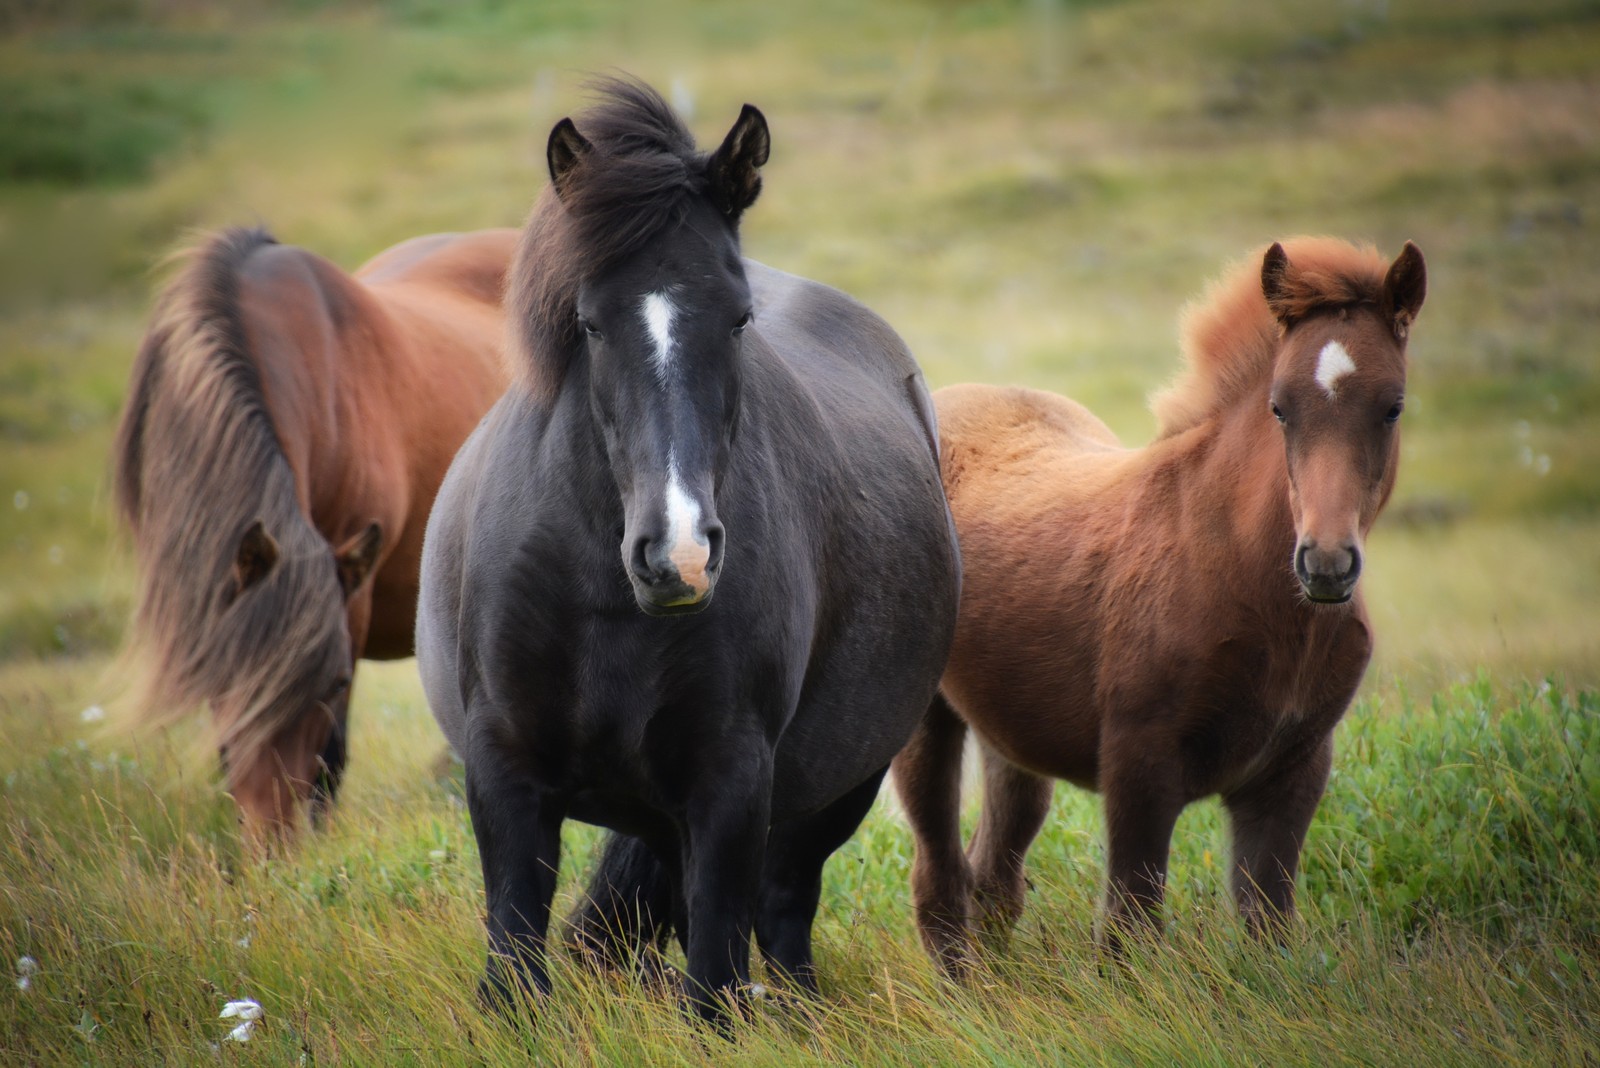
[(676, 578), (1327, 576)]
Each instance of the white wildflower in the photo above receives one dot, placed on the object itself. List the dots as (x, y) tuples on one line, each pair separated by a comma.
[(247, 1011), (19, 500), (27, 967), (92, 714)]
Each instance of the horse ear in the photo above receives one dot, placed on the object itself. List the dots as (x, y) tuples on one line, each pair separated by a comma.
[(255, 557), (1275, 283), (1404, 287), (734, 168), (356, 557), (565, 150)]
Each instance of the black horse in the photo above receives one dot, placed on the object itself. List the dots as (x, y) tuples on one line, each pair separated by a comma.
[(693, 578)]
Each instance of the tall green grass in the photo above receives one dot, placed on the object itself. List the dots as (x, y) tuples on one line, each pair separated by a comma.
[(1448, 893)]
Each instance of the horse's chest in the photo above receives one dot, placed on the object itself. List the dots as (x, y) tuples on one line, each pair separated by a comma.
[(1290, 699)]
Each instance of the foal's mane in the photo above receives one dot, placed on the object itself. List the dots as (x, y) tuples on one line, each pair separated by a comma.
[(1230, 337), (196, 461), (640, 176)]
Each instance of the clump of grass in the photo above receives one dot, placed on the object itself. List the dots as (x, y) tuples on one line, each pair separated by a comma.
[(76, 132)]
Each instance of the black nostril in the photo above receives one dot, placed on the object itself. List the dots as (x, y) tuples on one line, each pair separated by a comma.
[(1355, 565), (714, 540), (639, 562)]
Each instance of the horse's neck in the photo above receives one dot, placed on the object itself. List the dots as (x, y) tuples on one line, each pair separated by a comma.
[(1236, 482)]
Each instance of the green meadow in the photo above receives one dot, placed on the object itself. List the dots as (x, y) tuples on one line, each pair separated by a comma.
[(1029, 191)]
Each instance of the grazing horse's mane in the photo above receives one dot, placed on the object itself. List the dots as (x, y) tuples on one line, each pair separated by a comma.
[(640, 176), (1230, 335), (196, 462)]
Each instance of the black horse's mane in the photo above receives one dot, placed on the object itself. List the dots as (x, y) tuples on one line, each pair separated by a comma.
[(640, 176)]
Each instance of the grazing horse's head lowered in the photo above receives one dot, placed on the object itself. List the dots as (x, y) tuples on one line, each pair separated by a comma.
[(1338, 388), (658, 322)]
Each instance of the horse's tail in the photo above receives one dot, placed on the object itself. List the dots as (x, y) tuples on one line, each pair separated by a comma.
[(197, 468), (629, 907)]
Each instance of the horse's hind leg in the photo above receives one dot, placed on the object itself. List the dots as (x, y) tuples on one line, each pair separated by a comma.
[(791, 886), (518, 828), (927, 777), (1015, 804), (630, 905), (1269, 818)]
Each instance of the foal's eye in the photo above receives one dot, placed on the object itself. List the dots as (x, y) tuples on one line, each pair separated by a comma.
[(340, 685), (1393, 415), (1277, 413), (744, 321), (589, 327)]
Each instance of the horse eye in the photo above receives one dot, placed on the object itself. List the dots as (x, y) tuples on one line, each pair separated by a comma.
[(1393, 415), (588, 327), (744, 321), (1277, 413), (340, 685)]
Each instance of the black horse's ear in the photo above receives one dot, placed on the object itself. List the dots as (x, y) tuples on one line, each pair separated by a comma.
[(566, 150), (254, 559), (1275, 283), (1404, 288), (735, 167), (356, 557)]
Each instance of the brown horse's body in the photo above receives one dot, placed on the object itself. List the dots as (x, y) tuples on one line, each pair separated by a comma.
[(1130, 618), (286, 432)]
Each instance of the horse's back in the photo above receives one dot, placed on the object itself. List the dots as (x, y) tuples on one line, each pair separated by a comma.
[(839, 347), (471, 264), (1014, 444)]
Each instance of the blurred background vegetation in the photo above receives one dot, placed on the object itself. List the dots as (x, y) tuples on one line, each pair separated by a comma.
[(1028, 189)]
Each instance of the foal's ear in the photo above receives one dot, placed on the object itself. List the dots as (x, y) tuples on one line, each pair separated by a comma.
[(1275, 284), (734, 168), (1403, 289), (565, 150), (356, 557), (256, 555)]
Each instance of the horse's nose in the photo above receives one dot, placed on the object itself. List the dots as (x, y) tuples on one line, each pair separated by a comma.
[(1327, 573), (678, 571)]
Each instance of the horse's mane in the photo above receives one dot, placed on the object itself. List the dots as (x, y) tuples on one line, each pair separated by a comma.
[(196, 461), (1230, 337), (640, 176)]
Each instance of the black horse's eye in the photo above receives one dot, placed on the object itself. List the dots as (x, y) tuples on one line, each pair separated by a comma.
[(1393, 415), (340, 685), (1277, 413), (744, 321), (588, 327)]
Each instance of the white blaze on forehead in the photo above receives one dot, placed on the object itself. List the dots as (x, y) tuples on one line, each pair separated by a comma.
[(1333, 363), (658, 314), (690, 552)]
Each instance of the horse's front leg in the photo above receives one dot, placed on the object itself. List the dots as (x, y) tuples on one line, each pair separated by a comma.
[(1269, 817), (724, 851), (518, 827), (1139, 777)]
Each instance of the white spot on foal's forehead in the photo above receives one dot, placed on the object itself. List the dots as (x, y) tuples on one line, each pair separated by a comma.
[(1333, 363), (658, 312)]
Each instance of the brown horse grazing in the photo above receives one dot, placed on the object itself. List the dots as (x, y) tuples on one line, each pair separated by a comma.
[(286, 430), (1166, 623)]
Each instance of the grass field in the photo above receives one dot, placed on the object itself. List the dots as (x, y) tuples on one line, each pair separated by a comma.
[(1029, 191)]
